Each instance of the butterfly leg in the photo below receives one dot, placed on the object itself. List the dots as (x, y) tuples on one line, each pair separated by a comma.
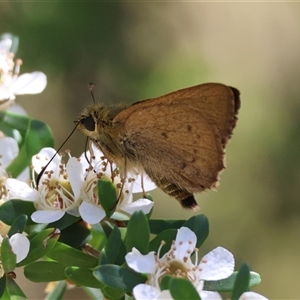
[(142, 185)]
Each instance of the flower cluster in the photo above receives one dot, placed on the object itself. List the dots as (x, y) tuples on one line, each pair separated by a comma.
[(128, 254), (72, 187), (216, 265)]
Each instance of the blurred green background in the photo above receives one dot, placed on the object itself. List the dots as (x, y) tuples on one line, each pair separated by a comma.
[(133, 51)]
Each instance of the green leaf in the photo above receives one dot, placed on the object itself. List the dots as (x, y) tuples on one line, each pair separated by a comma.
[(121, 254), (18, 225), (36, 135), (158, 226), (75, 235), (64, 222), (198, 224), (138, 233), (12, 209), (83, 277), (99, 239), (164, 284), (95, 294), (35, 228), (40, 245), (69, 256), (14, 121), (182, 289), (227, 284), (118, 277), (14, 290), (107, 195), (241, 282), (110, 252), (111, 293), (8, 258), (167, 236), (45, 271), (2, 285), (58, 291)]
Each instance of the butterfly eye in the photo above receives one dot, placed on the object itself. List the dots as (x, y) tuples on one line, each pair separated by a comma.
[(88, 123)]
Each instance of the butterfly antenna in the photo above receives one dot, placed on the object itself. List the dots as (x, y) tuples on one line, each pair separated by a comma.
[(44, 168), (91, 87), (85, 151)]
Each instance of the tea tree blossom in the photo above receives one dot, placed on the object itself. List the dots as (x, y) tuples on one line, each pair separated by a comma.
[(54, 194), (72, 188), (145, 291), (217, 264), (11, 83), (98, 167)]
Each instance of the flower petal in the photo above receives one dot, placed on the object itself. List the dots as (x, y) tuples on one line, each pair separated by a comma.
[(252, 296), (165, 295), (6, 98), (40, 160), (217, 264), (145, 205), (29, 83), (47, 216), (21, 190), (205, 295), (5, 45), (24, 175), (145, 292), (185, 243), (141, 263), (20, 245), (9, 150), (149, 185), (75, 175), (91, 213)]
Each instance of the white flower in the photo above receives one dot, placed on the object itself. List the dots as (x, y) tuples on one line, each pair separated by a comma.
[(11, 83), (72, 188), (148, 292), (98, 167), (57, 192), (217, 264), (19, 244)]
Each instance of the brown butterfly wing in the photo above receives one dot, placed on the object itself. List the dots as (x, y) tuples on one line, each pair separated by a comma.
[(179, 138), (218, 103)]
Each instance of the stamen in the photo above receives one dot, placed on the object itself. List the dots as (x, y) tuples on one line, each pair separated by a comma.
[(162, 243)]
